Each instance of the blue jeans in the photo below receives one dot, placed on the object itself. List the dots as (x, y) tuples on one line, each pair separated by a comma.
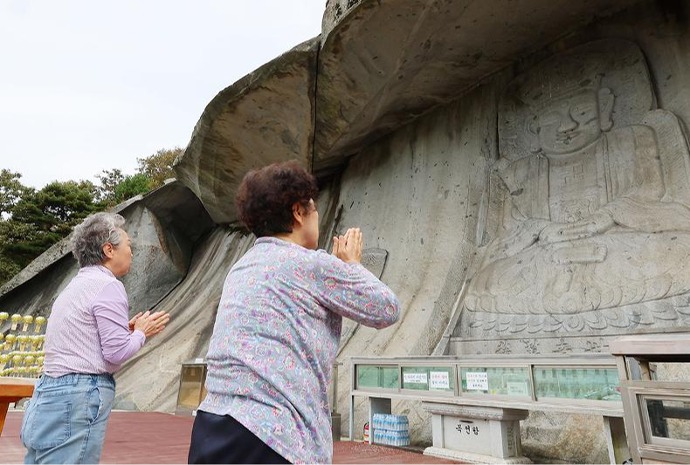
[(66, 418)]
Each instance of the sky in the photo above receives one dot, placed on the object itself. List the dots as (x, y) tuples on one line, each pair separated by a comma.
[(87, 86)]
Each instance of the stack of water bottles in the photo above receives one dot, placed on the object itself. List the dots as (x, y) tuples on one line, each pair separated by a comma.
[(391, 430)]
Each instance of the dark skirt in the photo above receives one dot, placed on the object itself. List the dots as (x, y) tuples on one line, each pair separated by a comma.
[(222, 439)]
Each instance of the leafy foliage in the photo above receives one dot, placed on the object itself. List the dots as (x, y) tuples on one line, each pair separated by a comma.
[(11, 190), (41, 218), (109, 180), (13, 257), (158, 167), (132, 185), (117, 187), (33, 220)]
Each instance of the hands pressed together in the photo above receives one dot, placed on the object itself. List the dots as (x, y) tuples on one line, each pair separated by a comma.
[(348, 247), (149, 323)]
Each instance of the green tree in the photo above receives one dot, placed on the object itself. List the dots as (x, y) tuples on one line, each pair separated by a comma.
[(41, 218), (132, 185), (12, 235), (158, 167), (58, 206), (11, 190), (109, 180), (33, 220), (117, 187)]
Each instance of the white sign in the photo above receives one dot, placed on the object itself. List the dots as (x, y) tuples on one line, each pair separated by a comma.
[(439, 380), (477, 381), (517, 388), (414, 378)]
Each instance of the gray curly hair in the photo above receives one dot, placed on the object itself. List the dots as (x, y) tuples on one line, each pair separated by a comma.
[(92, 234)]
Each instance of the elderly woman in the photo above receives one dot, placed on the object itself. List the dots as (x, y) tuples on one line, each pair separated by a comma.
[(87, 339), (278, 327)]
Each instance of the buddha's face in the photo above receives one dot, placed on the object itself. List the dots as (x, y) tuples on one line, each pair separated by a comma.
[(569, 124)]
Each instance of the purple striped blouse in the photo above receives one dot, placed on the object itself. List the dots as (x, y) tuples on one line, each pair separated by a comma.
[(88, 328)]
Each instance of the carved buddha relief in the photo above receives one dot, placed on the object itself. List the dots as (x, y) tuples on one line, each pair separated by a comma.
[(592, 187)]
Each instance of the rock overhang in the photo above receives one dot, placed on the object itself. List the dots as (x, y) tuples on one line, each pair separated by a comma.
[(377, 66), (264, 117)]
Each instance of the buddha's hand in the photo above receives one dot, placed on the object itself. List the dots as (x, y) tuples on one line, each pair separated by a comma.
[(593, 225)]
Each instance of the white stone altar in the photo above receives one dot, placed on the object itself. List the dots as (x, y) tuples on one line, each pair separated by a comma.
[(476, 434)]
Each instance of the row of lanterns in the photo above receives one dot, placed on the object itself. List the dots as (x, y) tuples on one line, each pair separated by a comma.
[(21, 349), (21, 364), (21, 342), (25, 321)]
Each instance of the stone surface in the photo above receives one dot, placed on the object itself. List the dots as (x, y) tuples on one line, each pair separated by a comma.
[(591, 191), (401, 107), (567, 438), (382, 64), (264, 117), (163, 226), (476, 434), (150, 381)]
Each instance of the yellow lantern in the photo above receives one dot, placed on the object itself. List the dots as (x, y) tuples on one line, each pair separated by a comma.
[(9, 341), (34, 341), (17, 360), (3, 317), (27, 319), (22, 339), (15, 319), (39, 321), (4, 358)]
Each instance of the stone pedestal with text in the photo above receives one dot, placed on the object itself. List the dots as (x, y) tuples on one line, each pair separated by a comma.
[(476, 434)]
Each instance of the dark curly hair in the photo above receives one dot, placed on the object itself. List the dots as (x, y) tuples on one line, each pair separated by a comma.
[(265, 197)]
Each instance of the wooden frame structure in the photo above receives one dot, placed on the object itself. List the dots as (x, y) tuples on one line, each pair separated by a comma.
[(650, 403), (12, 390)]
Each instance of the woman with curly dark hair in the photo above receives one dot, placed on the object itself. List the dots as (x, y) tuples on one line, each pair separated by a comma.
[(278, 328)]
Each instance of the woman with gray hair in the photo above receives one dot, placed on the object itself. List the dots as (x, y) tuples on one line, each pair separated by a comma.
[(88, 337)]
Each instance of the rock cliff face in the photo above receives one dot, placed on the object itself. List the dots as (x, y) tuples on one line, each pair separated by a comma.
[(427, 123), (164, 226)]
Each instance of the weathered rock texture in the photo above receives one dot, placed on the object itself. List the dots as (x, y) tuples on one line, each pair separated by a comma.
[(384, 63), (591, 209), (452, 133), (264, 117), (163, 226)]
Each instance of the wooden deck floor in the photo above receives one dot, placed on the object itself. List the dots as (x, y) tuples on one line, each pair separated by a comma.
[(149, 437)]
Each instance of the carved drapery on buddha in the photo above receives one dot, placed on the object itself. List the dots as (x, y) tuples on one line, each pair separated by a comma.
[(593, 192)]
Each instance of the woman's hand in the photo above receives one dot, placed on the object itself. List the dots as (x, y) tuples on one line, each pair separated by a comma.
[(151, 323), (348, 247), (131, 322)]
